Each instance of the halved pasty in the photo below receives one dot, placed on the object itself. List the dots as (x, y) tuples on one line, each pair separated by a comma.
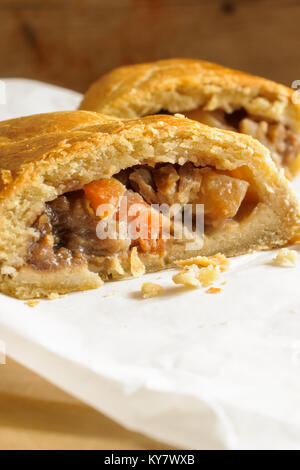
[(58, 169), (214, 95)]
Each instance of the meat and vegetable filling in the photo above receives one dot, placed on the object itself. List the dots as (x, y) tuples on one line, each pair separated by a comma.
[(283, 143), (69, 225)]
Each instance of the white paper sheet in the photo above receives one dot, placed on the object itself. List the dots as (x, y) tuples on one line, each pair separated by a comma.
[(20, 97), (192, 369)]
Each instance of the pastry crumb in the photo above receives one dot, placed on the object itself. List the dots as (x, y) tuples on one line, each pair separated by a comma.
[(208, 275), (150, 289), (188, 276), (219, 260), (192, 276), (136, 265), (285, 258), (213, 290), (179, 115), (53, 296), (32, 303)]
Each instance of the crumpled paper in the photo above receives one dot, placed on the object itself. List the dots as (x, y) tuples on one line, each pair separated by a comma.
[(192, 369)]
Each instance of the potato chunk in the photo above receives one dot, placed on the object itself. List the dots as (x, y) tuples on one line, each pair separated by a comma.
[(221, 195)]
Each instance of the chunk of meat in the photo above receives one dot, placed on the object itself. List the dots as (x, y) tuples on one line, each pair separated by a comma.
[(166, 178), (189, 184), (44, 254), (142, 181), (75, 225), (167, 184), (177, 184), (221, 195)]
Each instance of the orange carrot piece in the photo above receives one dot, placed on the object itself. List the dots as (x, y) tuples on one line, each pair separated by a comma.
[(104, 191), (145, 219)]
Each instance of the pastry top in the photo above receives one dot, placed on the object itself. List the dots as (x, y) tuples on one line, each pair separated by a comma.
[(180, 85), (37, 125), (48, 139), (41, 142)]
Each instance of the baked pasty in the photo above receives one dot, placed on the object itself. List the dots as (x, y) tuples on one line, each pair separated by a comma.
[(214, 95), (57, 170)]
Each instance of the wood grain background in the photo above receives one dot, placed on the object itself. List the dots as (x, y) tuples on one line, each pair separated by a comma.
[(72, 42)]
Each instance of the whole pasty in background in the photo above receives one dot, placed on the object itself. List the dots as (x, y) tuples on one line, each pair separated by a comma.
[(57, 169), (209, 93)]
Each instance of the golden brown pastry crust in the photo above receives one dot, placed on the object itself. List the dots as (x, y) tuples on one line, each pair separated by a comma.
[(185, 84), (180, 85), (47, 155)]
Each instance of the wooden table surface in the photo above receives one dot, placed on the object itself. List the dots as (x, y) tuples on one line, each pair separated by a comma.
[(72, 42), (35, 414)]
